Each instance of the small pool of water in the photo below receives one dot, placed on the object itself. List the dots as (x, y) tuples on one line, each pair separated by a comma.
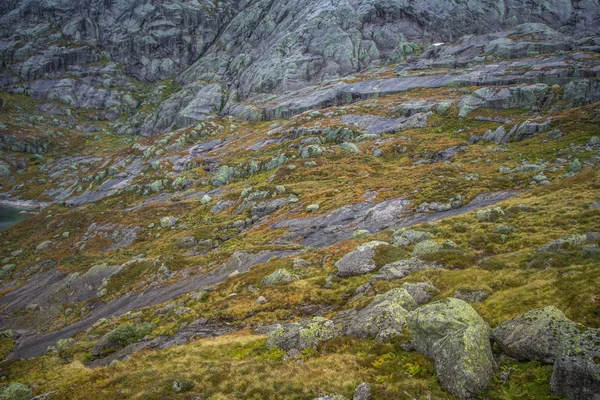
[(10, 216)]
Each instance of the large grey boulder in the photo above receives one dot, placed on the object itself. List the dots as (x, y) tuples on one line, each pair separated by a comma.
[(359, 261), (576, 372), (303, 335), (452, 333), (546, 335), (535, 335), (386, 314)]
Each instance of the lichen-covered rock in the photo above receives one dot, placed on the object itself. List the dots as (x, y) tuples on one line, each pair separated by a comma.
[(452, 333), (167, 222), (570, 242), (406, 237), (387, 312), (359, 261), (223, 175), (400, 269), (350, 147), (16, 391), (280, 276), (490, 214), (303, 335), (471, 295), (312, 150), (421, 292), (535, 335), (425, 247), (576, 372)]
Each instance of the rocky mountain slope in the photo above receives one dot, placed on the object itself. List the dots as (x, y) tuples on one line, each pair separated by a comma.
[(300, 199)]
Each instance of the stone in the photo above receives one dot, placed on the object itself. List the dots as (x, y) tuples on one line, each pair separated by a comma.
[(452, 333), (400, 269), (312, 150), (261, 300), (205, 199), (279, 276), (307, 334), (363, 392), (360, 261), (525, 96), (471, 296), (406, 237), (350, 147), (427, 246), (534, 336), (167, 222), (312, 208), (576, 373), (387, 312), (490, 214)]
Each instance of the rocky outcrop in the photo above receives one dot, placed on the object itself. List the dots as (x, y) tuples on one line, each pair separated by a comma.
[(257, 47), (530, 96), (452, 333)]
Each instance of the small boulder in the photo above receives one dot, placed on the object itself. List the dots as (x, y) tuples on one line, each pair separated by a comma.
[(406, 237), (471, 295), (280, 276), (426, 247), (490, 214), (312, 208), (359, 261), (303, 335), (400, 269), (167, 222)]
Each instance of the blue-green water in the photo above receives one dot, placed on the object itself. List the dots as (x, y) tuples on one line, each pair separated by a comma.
[(10, 216)]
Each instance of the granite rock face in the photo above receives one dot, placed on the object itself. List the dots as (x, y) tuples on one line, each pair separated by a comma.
[(221, 53)]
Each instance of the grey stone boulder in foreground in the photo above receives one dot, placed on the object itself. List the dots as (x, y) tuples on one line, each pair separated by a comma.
[(533, 336), (546, 335), (576, 372), (452, 333)]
